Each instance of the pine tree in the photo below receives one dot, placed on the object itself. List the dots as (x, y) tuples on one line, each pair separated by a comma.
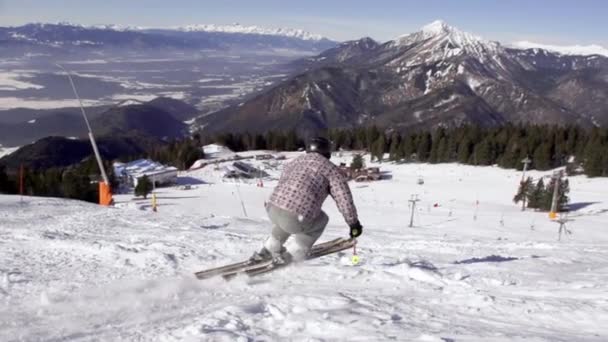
[(442, 152), (605, 160), (483, 153), (378, 148), (357, 163), (435, 153), (371, 136), (144, 187), (510, 157), (563, 199), (464, 150), (393, 150), (594, 158), (451, 151), (259, 142), (424, 147), (537, 195), (542, 157), (524, 192), (75, 184), (291, 141), (7, 185), (407, 147), (547, 197)]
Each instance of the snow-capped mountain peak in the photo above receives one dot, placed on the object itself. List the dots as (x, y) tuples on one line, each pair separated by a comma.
[(437, 27), (444, 41), (438, 30), (238, 28)]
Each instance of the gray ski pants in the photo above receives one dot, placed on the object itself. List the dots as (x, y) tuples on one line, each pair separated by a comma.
[(287, 223)]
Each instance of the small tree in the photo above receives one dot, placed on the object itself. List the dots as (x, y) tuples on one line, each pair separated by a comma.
[(357, 162), (7, 185), (378, 148), (524, 192), (537, 194), (563, 199), (144, 187), (562, 195)]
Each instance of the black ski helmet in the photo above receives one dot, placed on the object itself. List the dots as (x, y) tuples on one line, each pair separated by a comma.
[(320, 145)]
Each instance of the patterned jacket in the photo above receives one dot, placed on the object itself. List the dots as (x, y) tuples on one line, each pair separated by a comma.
[(305, 183)]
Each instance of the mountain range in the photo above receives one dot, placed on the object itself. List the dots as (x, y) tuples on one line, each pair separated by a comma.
[(161, 118), (437, 76), (62, 39)]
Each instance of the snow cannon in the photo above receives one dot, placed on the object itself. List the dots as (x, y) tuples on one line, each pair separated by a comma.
[(105, 194)]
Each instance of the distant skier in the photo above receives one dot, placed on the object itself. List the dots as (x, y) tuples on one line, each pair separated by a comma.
[(295, 205)]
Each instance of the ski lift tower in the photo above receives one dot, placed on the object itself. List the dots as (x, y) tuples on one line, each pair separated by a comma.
[(105, 193), (557, 176), (525, 161)]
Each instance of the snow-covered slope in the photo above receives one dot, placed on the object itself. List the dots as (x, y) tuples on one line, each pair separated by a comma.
[(474, 267), (577, 50), (5, 151)]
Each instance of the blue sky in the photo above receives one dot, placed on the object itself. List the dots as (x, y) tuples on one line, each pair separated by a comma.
[(546, 21)]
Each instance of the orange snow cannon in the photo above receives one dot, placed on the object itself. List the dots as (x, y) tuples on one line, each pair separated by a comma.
[(105, 194)]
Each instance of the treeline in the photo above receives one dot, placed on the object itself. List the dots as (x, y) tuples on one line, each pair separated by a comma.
[(547, 146), (540, 196), (272, 140), (179, 153), (79, 181)]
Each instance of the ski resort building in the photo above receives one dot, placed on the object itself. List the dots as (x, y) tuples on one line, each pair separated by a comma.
[(159, 174), (361, 175), (239, 169)]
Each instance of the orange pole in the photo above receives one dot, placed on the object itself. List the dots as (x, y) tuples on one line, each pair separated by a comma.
[(105, 194)]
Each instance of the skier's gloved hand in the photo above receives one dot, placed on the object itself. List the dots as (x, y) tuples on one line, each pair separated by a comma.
[(355, 230)]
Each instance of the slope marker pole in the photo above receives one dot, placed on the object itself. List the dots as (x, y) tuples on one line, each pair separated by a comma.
[(413, 201)]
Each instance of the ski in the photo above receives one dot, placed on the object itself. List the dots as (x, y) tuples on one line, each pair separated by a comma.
[(317, 251), (248, 264)]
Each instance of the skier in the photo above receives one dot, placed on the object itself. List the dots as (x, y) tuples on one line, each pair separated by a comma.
[(294, 207)]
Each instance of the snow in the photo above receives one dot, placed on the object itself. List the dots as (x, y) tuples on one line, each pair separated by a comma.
[(446, 101), (238, 28), (87, 61), (133, 97), (473, 268), (582, 50), (177, 95), (473, 83), (207, 80), (129, 103), (5, 151), (40, 103), (454, 41), (13, 81)]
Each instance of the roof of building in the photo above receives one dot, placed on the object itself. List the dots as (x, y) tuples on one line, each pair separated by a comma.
[(142, 167)]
